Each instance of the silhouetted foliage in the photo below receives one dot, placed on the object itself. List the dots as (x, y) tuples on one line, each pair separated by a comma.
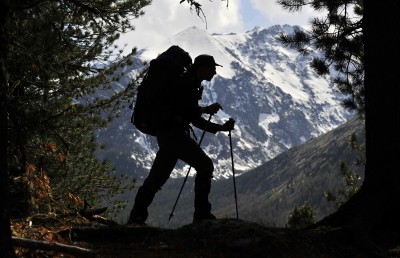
[(302, 217), (339, 37), (352, 178), (61, 63), (196, 6)]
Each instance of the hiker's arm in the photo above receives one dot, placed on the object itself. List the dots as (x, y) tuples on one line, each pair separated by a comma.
[(203, 124), (228, 125), (211, 109), (211, 127)]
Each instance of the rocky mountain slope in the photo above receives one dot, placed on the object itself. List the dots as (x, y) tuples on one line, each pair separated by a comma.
[(269, 192), (276, 99)]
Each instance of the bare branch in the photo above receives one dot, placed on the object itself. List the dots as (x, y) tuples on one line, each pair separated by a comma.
[(48, 246)]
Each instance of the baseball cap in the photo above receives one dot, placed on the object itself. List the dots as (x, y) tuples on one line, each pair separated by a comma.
[(205, 60)]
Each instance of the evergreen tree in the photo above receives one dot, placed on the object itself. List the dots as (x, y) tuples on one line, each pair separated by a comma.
[(302, 217), (339, 37), (352, 178), (370, 39), (60, 59)]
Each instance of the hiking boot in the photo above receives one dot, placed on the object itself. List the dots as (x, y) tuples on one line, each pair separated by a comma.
[(136, 221), (197, 217)]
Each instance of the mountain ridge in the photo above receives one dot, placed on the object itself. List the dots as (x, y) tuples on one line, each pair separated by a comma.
[(269, 192), (278, 102)]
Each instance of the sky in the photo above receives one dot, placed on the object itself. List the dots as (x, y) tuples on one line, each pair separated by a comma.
[(165, 18)]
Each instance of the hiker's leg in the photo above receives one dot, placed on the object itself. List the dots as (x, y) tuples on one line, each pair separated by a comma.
[(187, 150), (160, 171), (202, 189)]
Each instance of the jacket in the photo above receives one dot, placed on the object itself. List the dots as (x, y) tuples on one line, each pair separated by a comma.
[(182, 108)]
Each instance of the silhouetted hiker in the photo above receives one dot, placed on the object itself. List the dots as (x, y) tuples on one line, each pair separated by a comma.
[(175, 141)]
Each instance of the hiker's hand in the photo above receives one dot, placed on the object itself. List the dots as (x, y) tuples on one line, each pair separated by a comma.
[(228, 125), (213, 108)]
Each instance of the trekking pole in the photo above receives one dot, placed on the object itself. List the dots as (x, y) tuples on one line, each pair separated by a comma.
[(187, 174), (233, 171)]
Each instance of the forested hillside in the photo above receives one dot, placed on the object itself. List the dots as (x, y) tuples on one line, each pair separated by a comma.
[(268, 193)]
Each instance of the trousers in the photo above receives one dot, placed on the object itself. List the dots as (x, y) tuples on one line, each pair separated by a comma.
[(174, 145)]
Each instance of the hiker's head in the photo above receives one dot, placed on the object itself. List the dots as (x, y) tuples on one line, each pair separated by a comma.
[(205, 67)]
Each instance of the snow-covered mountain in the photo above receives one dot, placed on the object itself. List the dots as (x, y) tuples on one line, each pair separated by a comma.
[(277, 100)]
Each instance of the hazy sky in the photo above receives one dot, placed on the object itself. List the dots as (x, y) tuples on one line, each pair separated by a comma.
[(165, 18)]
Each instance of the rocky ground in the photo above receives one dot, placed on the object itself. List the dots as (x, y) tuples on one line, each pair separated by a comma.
[(220, 238)]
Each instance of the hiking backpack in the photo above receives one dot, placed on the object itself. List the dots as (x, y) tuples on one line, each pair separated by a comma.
[(152, 91)]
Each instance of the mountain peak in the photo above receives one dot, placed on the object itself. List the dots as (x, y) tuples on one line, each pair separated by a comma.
[(277, 100), (255, 29), (195, 41)]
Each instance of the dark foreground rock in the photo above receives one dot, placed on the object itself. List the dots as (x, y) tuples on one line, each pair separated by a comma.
[(224, 238)]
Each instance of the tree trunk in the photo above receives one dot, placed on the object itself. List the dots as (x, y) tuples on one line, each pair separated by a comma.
[(382, 53), (376, 207), (6, 249)]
